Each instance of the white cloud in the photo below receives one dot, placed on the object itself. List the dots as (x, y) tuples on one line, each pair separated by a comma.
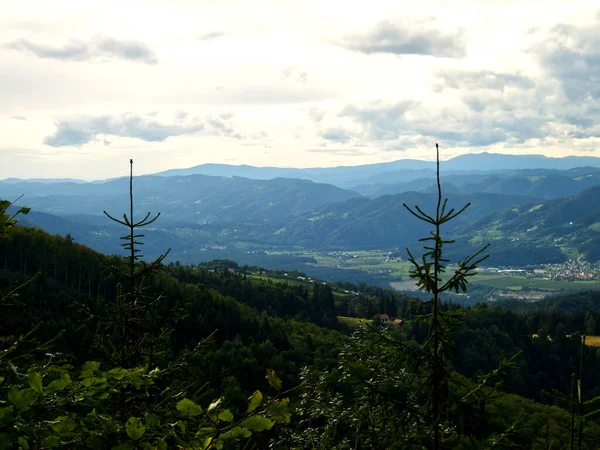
[(217, 81)]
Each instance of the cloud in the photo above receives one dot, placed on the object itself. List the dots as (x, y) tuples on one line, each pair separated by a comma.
[(211, 35), (571, 55), (482, 79), (18, 118), (419, 38), (99, 48), (341, 151), (407, 123), (77, 131), (267, 94), (379, 120), (220, 128), (337, 134), (81, 130), (294, 74)]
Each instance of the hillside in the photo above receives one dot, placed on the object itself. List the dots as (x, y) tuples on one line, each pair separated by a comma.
[(540, 183), (569, 223), (258, 320), (358, 223), (381, 222), (193, 199)]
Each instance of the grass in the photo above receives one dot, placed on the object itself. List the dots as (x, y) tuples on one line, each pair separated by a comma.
[(516, 282), (592, 341), (289, 281), (354, 322)]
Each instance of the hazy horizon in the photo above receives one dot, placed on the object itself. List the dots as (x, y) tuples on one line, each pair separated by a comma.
[(175, 84)]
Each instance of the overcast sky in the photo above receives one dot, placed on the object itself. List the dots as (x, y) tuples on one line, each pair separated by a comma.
[(86, 85)]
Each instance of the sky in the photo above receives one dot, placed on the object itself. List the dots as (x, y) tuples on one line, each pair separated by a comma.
[(87, 85)]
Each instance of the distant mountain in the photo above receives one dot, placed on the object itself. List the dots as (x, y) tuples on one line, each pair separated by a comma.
[(192, 199), (393, 172), (543, 186), (540, 183), (496, 161), (342, 176), (41, 180)]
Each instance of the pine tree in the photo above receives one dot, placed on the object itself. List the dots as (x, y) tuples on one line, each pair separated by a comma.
[(428, 273)]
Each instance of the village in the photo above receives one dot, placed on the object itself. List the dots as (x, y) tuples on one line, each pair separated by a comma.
[(573, 269)]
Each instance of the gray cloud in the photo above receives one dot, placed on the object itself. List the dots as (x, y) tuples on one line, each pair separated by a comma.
[(211, 35), (77, 131), (482, 79), (81, 130), (98, 48), (404, 124), (337, 134), (404, 39), (571, 55), (222, 129), (380, 121)]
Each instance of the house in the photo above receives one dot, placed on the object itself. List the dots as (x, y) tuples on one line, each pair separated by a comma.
[(384, 318), (397, 323)]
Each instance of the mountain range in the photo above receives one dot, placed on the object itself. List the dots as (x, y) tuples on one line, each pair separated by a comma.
[(520, 208)]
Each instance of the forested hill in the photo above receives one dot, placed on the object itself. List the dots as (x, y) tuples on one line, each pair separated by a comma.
[(193, 199), (229, 325), (571, 222)]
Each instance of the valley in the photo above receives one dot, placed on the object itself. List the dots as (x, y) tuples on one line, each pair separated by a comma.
[(526, 283), (536, 218)]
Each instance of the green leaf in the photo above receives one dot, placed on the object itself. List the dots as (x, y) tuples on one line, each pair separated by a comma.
[(152, 420), (280, 411), (64, 424), (23, 443), (21, 398), (273, 380), (161, 444), (210, 442), (225, 415), (60, 384), (258, 423), (89, 368), (35, 381), (118, 373), (205, 431), (50, 441), (1, 380), (255, 401), (105, 421), (189, 408), (236, 433), (6, 416), (135, 429)]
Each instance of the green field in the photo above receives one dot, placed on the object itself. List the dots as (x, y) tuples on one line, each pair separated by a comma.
[(518, 283), (290, 281), (354, 322), (386, 267)]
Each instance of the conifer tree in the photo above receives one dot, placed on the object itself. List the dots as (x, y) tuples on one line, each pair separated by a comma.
[(132, 336), (428, 272)]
